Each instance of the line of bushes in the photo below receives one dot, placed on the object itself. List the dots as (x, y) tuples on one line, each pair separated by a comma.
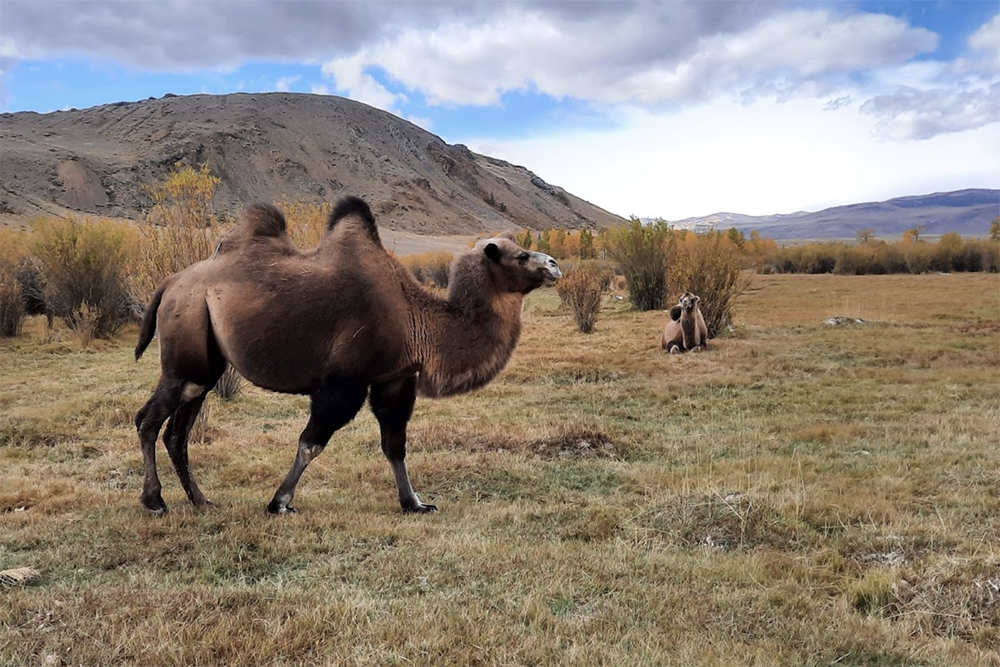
[(950, 253)]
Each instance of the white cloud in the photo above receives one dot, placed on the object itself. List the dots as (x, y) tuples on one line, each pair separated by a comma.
[(599, 60), (422, 122), (723, 156), (350, 76), (987, 39), (285, 83)]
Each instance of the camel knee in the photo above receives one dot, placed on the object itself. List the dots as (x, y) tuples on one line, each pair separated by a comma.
[(394, 448), (309, 451)]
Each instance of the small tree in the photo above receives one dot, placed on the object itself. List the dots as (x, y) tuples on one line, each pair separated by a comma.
[(180, 230), (525, 238), (641, 252), (913, 235), (866, 235), (736, 237), (581, 288), (543, 242), (557, 247), (586, 244), (995, 229)]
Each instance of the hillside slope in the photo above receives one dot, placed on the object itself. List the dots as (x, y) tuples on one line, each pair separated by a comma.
[(272, 147)]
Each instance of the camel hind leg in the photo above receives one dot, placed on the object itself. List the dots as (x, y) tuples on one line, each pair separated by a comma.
[(175, 437), (166, 399), (392, 403), (332, 407)]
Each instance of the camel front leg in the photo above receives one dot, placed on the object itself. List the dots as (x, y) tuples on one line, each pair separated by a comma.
[(392, 403), (332, 407)]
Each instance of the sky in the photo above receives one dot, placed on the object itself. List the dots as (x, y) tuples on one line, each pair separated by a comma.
[(651, 109)]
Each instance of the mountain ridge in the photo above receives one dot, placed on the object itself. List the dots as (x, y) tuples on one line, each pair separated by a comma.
[(272, 147), (968, 212)]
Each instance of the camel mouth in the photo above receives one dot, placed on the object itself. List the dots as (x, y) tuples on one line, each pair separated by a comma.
[(551, 275)]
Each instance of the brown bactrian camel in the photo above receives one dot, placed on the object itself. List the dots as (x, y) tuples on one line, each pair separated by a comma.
[(685, 329), (340, 323)]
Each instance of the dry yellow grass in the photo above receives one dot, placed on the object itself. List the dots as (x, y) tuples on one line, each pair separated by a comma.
[(800, 494)]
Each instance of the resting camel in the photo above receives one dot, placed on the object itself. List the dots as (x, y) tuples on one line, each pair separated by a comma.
[(341, 323), (685, 329)]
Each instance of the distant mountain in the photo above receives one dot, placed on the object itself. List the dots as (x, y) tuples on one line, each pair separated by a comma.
[(967, 212), (272, 147)]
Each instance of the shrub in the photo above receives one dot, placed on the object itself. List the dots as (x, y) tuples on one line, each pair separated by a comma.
[(12, 311), (581, 288), (12, 302), (306, 221), (229, 385), (431, 268), (918, 255), (30, 276), (84, 269), (711, 267), (641, 253)]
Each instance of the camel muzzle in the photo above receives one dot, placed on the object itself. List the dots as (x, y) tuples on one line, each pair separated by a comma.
[(552, 272)]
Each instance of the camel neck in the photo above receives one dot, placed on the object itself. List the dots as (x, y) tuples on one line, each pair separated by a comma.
[(469, 341)]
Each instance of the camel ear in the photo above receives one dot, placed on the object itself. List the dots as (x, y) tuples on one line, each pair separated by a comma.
[(492, 251), (509, 235)]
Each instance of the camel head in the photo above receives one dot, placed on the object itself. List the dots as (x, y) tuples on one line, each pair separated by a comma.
[(688, 301), (514, 269)]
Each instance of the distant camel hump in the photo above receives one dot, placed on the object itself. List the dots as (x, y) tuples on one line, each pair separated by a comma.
[(265, 220), (354, 206)]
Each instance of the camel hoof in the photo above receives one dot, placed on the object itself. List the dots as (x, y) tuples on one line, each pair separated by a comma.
[(277, 508), (420, 508), (155, 505)]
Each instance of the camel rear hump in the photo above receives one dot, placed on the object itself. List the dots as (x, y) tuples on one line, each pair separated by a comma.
[(349, 206)]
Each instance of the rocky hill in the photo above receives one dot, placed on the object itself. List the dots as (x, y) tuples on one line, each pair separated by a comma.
[(967, 212), (272, 147)]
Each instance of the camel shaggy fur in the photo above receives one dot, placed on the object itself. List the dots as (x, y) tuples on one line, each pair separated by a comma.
[(340, 323), (685, 329)]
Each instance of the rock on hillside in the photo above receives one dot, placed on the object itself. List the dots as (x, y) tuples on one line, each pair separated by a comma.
[(272, 147)]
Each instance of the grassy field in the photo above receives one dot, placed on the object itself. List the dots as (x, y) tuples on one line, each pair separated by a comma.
[(800, 494)]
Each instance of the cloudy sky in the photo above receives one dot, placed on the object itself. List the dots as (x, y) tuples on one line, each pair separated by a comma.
[(655, 109)]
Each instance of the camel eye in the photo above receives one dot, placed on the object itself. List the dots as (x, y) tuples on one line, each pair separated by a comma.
[(523, 257)]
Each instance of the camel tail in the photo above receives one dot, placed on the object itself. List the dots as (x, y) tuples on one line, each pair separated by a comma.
[(148, 327), (355, 206)]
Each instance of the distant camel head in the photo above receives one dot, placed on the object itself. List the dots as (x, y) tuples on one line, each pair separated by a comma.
[(688, 301)]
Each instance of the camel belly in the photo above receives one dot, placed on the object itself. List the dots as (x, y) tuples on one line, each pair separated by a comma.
[(295, 347)]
